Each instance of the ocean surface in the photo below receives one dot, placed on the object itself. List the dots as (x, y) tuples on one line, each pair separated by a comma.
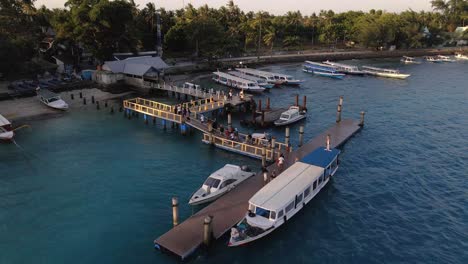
[(90, 187)]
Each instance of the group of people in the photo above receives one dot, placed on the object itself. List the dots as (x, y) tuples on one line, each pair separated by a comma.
[(182, 110), (280, 167)]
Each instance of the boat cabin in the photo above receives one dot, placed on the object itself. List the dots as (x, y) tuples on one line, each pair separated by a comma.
[(290, 114), (221, 178), (291, 190)]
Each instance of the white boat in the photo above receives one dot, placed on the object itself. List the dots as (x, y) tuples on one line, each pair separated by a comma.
[(236, 82), (433, 59), (460, 56), (285, 195), (287, 79), (51, 99), (345, 68), (261, 82), (267, 76), (6, 131), (219, 183), (292, 115), (445, 58), (409, 60), (381, 72)]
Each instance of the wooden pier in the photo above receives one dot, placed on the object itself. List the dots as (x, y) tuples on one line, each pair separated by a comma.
[(185, 238)]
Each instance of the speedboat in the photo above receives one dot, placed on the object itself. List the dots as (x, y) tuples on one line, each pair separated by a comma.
[(409, 60), (6, 131), (292, 115), (433, 59), (444, 58), (389, 73), (460, 56), (288, 193), (219, 183), (51, 99)]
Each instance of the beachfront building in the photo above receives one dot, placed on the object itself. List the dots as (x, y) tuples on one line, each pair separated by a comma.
[(133, 70)]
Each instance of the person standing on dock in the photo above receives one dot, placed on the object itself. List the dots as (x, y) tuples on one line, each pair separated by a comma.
[(241, 95), (281, 162), (230, 95), (265, 175)]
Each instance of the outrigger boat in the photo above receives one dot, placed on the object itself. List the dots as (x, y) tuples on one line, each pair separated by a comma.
[(445, 58), (389, 73), (259, 81), (236, 82), (322, 70), (460, 56), (277, 202), (267, 76), (433, 59), (409, 60), (6, 130), (345, 68), (51, 99), (219, 183), (292, 115)]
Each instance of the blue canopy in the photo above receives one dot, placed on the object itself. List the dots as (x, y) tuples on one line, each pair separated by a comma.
[(321, 157)]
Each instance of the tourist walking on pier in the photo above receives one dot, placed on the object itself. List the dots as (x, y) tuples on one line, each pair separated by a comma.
[(281, 162), (265, 175)]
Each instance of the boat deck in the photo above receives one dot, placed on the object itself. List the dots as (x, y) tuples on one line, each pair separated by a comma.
[(229, 209)]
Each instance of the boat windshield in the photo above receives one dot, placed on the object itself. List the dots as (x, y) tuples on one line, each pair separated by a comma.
[(284, 116), (53, 99), (262, 212), (211, 182)]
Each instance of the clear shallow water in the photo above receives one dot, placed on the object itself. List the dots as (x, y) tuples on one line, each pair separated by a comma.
[(90, 187)]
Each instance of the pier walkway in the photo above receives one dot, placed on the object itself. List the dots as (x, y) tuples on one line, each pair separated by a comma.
[(255, 149), (185, 238)]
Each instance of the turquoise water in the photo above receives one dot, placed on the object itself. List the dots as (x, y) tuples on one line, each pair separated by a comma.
[(90, 187)]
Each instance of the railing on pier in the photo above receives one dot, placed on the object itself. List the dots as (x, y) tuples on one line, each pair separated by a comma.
[(153, 108)]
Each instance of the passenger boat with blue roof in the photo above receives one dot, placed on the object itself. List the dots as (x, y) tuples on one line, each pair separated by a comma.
[(345, 68), (277, 202), (322, 70)]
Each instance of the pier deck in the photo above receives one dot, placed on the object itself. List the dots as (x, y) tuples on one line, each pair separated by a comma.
[(226, 211)]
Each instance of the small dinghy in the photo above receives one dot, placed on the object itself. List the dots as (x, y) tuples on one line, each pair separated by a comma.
[(290, 116), (219, 183), (51, 99)]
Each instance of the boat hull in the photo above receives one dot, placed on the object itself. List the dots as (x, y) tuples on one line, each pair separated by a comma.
[(7, 136), (208, 199)]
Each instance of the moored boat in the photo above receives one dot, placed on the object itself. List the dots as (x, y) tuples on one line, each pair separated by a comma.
[(286, 79), (445, 58), (460, 56), (219, 183), (51, 99), (321, 69), (236, 82), (409, 60), (345, 68), (267, 76), (284, 196), (6, 130), (259, 81), (388, 73), (433, 59), (292, 115)]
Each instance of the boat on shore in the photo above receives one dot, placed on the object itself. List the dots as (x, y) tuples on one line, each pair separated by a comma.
[(409, 60), (388, 73), (219, 183), (267, 76), (6, 130), (259, 81), (288, 193), (460, 56), (321, 69), (292, 115), (51, 99), (236, 82), (345, 68)]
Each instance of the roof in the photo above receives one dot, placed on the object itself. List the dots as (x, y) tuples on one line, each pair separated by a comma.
[(279, 192), (291, 110), (136, 65), (245, 76), (46, 93), (255, 72), (321, 157), (4, 121), (232, 77)]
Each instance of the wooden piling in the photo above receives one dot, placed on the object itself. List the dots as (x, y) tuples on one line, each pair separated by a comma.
[(361, 123), (112, 110), (301, 135), (338, 111), (268, 104), (84, 101), (304, 102), (105, 104), (175, 211), (273, 144), (229, 120), (286, 136), (207, 230), (259, 105), (263, 156), (92, 99), (81, 95), (97, 105), (72, 96), (154, 120), (297, 100), (263, 118)]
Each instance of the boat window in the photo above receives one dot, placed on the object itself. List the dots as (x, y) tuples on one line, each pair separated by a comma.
[(227, 182), (284, 116), (211, 182), (273, 215), (280, 214), (298, 199), (251, 85), (315, 185), (262, 212), (307, 192), (289, 207), (53, 99), (321, 179)]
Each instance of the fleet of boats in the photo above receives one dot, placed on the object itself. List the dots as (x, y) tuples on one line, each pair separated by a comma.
[(6, 130), (51, 99), (219, 183), (292, 115), (288, 193)]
